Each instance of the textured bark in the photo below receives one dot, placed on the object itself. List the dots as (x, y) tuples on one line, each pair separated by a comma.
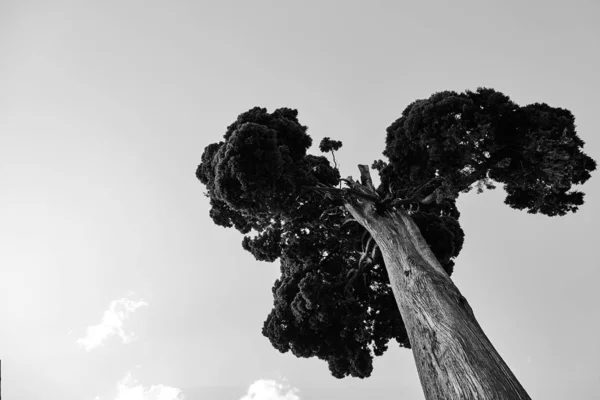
[(454, 357)]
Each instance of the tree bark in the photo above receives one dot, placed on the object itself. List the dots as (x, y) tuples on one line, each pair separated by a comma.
[(454, 357)]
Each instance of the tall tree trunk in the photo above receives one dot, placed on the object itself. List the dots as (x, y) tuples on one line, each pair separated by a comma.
[(454, 357)]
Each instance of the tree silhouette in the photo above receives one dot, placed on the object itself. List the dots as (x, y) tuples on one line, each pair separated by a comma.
[(355, 272)]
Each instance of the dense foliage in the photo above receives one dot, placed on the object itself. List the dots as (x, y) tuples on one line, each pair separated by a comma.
[(333, 299), (452, 140)]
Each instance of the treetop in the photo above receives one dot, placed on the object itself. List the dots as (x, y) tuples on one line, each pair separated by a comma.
[(333, 299)]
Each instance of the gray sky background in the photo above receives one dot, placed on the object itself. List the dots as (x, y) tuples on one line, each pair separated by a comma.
[(105, 109)]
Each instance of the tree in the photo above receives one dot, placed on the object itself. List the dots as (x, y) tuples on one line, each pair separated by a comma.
[(362, 265)]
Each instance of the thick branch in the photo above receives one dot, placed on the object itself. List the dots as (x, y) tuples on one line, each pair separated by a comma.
[(365, 176), (343, 192), (417, 191), (426, 200), (468, 181)]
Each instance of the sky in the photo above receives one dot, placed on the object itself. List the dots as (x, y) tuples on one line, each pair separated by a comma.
[(115, 283)]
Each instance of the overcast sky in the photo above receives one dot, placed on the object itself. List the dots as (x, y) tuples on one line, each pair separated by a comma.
[(115, 283)]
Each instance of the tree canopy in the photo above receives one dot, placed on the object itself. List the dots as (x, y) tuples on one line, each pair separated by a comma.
[(333, 299)]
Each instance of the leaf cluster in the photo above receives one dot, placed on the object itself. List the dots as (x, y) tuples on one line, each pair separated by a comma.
[(457, 141), (327, 145)]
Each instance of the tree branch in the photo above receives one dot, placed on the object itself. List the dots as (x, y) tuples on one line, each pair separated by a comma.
[(425, 200), (421, 186), (365, 177), (366, 189), (341, 192), (468, 181)]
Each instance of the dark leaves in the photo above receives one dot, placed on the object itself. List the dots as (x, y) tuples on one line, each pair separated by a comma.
[(467, 138), (328, 145), (444, 236)]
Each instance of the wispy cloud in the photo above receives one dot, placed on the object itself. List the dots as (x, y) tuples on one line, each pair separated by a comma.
[(129, 389), (112, 324), (265, 389)]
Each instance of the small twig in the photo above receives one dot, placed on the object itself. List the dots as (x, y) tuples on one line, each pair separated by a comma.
[(335, 165), (334, 162)]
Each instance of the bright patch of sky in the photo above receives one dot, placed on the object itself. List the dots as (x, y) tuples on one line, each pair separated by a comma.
[(112, 324), (266, 389), (129, 389)]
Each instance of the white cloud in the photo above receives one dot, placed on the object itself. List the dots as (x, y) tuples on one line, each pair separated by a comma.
[(264, 389), (112, 324), (129, 389)]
